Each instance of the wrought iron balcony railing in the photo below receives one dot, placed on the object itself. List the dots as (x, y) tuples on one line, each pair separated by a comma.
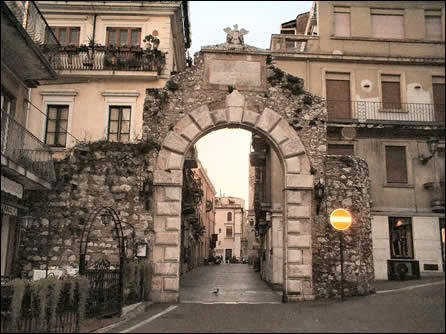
[(372, 112), (26, 150), (101, 58), (32, 20)]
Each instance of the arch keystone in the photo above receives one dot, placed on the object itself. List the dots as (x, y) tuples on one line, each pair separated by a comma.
[(235, 99)]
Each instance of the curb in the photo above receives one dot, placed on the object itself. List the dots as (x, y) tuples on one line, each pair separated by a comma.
[(128, 313), (410, 287)]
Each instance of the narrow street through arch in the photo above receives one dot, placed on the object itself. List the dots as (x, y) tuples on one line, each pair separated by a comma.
[(237, 283)]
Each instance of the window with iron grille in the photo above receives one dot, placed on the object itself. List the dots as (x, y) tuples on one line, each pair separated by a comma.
[(56, 125), (67, 35), (229, 216), (401, 242), (123, 36), (228, 231), (396, 164), (119, 124)]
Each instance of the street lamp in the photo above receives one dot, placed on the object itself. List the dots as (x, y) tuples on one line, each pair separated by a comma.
[(432, 144)]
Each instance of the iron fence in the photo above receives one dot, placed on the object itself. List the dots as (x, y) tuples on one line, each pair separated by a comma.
[(367, 111), (102, 58), (30, 319), (22, 147)]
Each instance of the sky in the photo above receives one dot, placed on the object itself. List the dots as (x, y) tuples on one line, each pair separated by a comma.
[(225, 153)]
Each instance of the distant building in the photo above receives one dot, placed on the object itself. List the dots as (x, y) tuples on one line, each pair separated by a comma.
[(229, 223)]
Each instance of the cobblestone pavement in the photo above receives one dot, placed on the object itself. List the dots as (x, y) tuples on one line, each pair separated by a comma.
[(237, 283)]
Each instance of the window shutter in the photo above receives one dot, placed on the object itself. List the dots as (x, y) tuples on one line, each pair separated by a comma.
[(396, 166), (391, 95)]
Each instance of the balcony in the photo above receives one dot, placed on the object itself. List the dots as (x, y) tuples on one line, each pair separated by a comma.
[(293, 43), (385, 113), (103, 61), (24, 157), (23, 32)]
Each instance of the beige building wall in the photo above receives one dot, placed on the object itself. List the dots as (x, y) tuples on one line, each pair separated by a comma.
[(346, 43)]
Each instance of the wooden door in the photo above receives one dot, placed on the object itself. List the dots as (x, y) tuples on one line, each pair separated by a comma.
[(438, 90), (338, 99)]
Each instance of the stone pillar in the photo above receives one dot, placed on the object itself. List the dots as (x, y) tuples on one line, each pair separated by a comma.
[(167, 225), (297, 238)]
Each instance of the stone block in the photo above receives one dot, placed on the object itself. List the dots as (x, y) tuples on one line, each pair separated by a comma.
[(172, 297), (171, 254), (202, 117), (173, 223), (157, 283), (294, 226), (159, 224), (167, 238), (295, 256), (174, 161), (307, 256), (234, 114), (175, 142), (158, 254), (171, 284), (191, 132), (299, 241), (299, 211), (294, 286), (268, 119), (173, 193), (166, 269), (299, 181), (235, 99), (307, 288), (292, 147), (168, 208), (299, 270), (293, 165), (282, 132), (250, 117), (171, 177), (294, 196), (219, 116)]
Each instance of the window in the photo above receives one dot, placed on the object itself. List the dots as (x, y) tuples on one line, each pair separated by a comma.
[(438, 95), (396, 165), (219, 230), (342, 21), (229, 216), (124, 36), (432, 27), (67, 35), (56, 125), (119, 124), (401, 242), (340, 149), (228, 231), (391, 92), (387, 26)]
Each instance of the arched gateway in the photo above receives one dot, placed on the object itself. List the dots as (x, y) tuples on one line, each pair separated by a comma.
[(296, 208)]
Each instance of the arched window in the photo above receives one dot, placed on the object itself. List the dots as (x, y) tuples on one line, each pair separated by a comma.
[(229, 216)]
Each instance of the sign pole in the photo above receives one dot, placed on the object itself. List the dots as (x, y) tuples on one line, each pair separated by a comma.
[(341, 244)]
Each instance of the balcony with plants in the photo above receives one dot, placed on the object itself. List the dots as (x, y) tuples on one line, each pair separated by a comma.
[(96, 57)]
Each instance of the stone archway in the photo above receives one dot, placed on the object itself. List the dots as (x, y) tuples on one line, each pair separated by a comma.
[(296, 208)]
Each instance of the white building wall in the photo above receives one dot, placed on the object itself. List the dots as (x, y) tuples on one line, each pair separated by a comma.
[(381, 247), (426, 242)]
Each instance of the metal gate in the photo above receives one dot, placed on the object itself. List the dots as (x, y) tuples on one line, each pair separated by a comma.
[(105, 282)]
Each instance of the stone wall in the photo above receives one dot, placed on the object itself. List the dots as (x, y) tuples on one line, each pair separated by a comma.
[(91, 176), (347, 186)]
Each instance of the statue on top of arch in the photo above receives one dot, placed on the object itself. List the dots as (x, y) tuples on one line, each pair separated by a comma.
[(235, 37)]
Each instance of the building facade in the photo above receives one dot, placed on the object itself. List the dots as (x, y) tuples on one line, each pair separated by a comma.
[(26, 161), (229, 223), (380, 67), (111, 53)]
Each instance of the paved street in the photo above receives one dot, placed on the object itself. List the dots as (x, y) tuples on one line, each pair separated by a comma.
[(418, 307), (236, 283)]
